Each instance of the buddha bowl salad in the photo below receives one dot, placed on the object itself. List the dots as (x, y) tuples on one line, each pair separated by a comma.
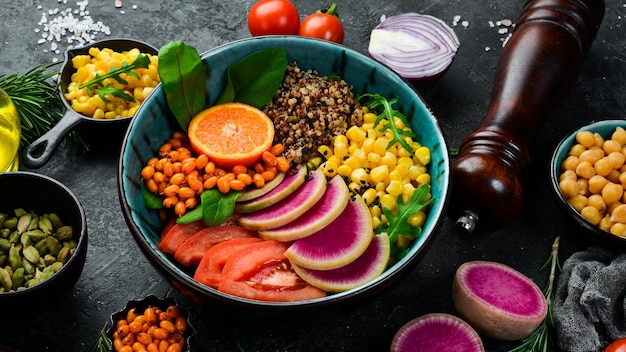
[(290, 186)]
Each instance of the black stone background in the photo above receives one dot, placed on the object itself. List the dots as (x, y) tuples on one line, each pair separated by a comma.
[(116, 271)]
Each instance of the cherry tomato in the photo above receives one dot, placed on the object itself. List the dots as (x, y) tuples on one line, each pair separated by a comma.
[(323, 24), (273, 17), (618, 345)]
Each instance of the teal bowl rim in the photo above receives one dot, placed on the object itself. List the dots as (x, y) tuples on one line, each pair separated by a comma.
[(593, 233), (185, 283)]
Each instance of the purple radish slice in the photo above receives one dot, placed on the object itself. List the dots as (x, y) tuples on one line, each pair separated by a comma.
[(367, 267), (280, 192), (339, 243), (497, 300), (319, 216), (288, 208), (437, 332)]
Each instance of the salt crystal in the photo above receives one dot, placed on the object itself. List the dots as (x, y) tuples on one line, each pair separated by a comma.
[(487, 48), (118, 3), (465, 24), (134, 7), (507, 23), (53, 46), (122, 12), (41, 41), (503, 31), (491, 24)]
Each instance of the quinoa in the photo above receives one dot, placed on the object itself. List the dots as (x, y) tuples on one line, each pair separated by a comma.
[(308, 110)]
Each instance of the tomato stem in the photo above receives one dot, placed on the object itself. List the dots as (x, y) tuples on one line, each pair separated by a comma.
[(331, 10)]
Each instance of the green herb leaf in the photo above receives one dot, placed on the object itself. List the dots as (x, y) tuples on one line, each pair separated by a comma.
[(152, 200), (255, 79), (399, 225), (96, 84), (102, 343), (190, 216), (217, 207), (386, 111), (182, 76)]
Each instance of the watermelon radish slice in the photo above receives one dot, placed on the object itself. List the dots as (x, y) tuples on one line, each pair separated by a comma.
[(364, 269), (319, 216), (288, 185), (289, 208), (497, 300), (437, 332), (339, 243), (254, 193)]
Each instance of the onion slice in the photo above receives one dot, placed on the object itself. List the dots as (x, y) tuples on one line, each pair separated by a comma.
[(417, 47)]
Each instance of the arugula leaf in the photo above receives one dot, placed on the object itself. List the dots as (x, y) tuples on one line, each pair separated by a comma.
[(96, 84), (255, 79), (399, 225), (388, 113), (181, 72)]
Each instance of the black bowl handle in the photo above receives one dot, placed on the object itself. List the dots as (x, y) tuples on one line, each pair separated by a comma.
[(40, 151)]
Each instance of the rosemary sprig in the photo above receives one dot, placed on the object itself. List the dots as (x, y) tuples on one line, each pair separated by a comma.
[(96, 85), (388, 113), (102, 344), (37, 101), (539, 339)]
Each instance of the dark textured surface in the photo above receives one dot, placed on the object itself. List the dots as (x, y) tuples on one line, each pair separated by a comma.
[(116, 271)]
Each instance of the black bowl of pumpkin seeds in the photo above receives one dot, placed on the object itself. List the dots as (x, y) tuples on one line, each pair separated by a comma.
[(43, 239)]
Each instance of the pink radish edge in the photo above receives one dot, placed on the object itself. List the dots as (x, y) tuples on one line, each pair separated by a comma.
[(437, 332)]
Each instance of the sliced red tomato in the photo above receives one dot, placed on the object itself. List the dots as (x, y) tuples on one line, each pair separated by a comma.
[(324, 24), (177, 234), (262, 272), (191, 251), (209, 271), (273, 17), (618, 345)]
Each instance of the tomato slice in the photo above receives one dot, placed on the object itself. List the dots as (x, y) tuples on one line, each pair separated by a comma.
[(209, 271), (174, 236), (262, 272), (191, 251)]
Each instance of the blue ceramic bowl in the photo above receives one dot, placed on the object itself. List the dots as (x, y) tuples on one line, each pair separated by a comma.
[(153, 125), (588, 230)]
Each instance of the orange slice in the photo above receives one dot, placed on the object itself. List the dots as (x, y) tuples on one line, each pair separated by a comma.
[(231, 134)]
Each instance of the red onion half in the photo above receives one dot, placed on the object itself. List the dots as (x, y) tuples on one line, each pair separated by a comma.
[(418, 47)]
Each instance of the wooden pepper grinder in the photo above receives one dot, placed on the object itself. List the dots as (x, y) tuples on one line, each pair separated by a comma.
[(538, 65)]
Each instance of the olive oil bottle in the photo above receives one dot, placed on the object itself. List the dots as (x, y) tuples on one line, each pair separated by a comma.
[(10, 134)]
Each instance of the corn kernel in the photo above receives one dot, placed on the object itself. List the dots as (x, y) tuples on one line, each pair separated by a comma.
[(394, 188), (380, 146), (388, 201), (375, 211), (368, 145), (341, 149), (360, 176), (376, 222), (356, 134), (388, 159), (395, 175), (344, 170), (423, 179), (369, 117), (423, 155), (379, 173), (352, 162), (369, 196), (329, 168), (417, 219)]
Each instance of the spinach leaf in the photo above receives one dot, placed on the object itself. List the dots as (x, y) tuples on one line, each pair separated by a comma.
[(217, 207), (255, 79), (182, 76), (152, 200)]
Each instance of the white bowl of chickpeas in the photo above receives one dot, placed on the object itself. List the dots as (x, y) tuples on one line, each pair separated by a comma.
[(588, 179)]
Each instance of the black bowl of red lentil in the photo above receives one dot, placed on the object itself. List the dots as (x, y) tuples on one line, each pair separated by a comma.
[(587, 183), (154, 124)]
